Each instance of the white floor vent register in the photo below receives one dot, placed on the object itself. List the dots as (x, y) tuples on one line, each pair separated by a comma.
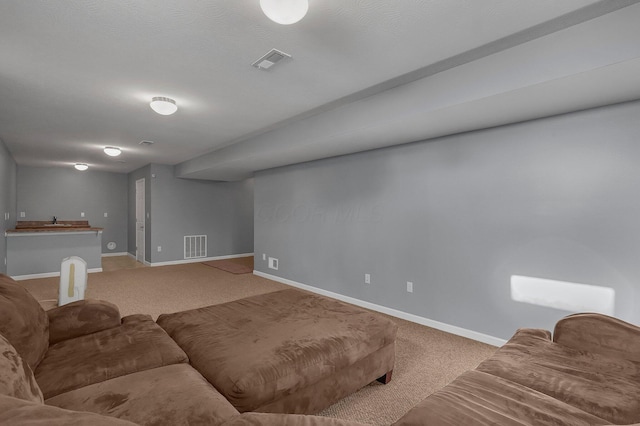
[(73, 280), (195, 246)]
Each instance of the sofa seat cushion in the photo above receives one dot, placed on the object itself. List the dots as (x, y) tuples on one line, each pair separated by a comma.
[(23, 322), (14, 411), (604, 386), (480, 399), (263, 348), (16, 378), (138, 344), (172, 395), (272, 419)]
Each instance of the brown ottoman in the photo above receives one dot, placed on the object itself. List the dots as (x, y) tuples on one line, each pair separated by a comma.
[(285, 352)]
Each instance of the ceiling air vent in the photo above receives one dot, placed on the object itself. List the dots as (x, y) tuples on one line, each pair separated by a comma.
[(270, 59), (146, 143)]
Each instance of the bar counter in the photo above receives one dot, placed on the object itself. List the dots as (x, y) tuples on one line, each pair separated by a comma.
[(36, 248)]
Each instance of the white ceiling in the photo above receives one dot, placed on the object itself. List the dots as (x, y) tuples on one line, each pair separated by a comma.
[(76, 76)]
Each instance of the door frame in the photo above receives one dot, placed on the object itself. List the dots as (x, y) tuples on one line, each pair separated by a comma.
[(140, 224)]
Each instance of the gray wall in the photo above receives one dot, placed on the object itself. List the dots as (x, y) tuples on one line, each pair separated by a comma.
[(8, 175), (44, 192), (141, 173), (555, 198), (221, 210), (178, 207)]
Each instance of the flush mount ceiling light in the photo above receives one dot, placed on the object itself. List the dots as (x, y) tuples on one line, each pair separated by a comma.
[(81, 166), (163, 106), (112, 151), (285, 12)]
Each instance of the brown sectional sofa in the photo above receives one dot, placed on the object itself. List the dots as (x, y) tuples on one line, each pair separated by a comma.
[(587, 374), (93, 367)]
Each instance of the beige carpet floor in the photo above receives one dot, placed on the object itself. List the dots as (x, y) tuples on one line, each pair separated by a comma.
[(426, 359)]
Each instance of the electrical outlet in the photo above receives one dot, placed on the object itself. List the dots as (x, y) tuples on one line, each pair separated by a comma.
[(23, 214), (409, 287), (273, 263), (367, 278), (81, 214), (159, 249)]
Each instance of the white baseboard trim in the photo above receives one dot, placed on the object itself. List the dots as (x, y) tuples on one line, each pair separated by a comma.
[(122, 253), (200, 259), (48, 274), (459, 331)]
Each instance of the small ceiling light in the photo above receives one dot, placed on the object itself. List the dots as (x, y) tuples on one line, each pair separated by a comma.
[(163, 106), (112, 151), (81, 166), (285, 12)]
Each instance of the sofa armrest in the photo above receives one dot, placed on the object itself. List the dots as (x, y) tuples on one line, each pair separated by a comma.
[(599, 334), (80, 318)]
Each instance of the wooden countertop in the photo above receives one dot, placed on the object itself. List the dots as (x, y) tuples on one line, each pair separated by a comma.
[(24, 226)]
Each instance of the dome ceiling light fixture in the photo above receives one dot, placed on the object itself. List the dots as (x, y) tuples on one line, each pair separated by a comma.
[(163, 106), (81, 166), (285, 12), (112, 151)]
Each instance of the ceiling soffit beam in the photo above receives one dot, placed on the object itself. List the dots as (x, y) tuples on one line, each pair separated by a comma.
[(482, 114), (322, 118)]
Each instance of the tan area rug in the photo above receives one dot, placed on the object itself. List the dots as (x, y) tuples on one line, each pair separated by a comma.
[(426, 359), (238, 265)]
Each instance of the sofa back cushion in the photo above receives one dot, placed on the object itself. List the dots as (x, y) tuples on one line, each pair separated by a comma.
[(23, 322), (16, 378)]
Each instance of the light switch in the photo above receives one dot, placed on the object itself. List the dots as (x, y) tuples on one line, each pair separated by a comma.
[(81, 214), (106, 214)]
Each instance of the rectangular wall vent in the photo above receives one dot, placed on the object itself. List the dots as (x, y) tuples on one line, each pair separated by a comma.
[(270, 59), (195, 246)]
